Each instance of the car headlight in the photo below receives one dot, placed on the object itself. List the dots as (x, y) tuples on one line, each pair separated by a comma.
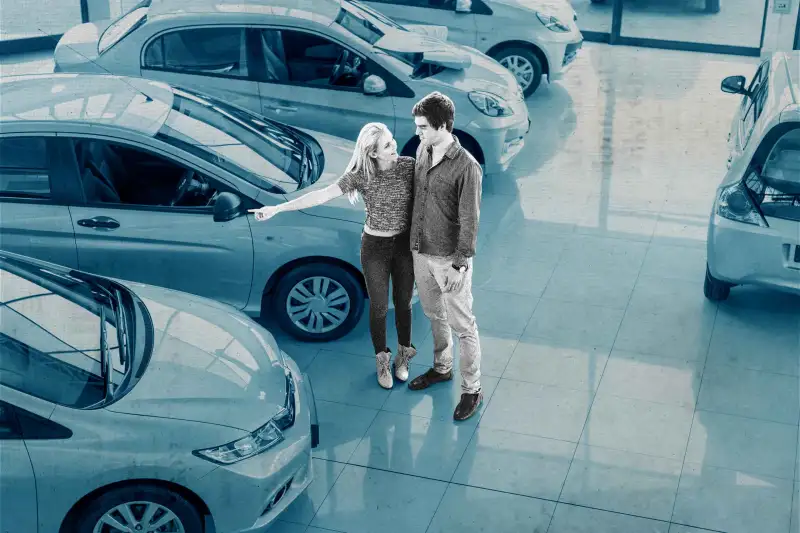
[(260, 440), (735, 203), (490, 104), (552, 23)]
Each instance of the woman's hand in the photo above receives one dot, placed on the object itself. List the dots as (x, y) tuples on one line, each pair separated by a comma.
[(266, 212)]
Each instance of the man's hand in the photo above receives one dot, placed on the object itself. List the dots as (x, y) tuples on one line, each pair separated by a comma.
[(453, 280), (265, 213)]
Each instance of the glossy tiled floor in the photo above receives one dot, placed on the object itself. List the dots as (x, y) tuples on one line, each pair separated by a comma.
[(618, 400)]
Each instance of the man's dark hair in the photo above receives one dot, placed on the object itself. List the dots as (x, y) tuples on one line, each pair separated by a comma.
[(438, 109)]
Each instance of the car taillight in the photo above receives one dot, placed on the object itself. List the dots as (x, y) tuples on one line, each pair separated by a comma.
[(735, 203)]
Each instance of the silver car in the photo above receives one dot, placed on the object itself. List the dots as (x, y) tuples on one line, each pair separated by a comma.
[(754, 230), (134, 179), (326, 65), (131, 408), (531, 38)]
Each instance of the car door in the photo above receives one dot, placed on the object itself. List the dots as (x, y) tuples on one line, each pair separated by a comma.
[(34, 220), (215, 60), (462, 28), (297, 85), (135, 234), (18, 507)]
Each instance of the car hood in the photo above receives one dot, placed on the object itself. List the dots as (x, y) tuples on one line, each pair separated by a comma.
[(559, 8), (210, 364), (338, 152), (468, 69), (77, 48)]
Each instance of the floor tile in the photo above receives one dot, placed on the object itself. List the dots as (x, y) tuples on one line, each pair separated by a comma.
[(515, 463), (655, 379), (496, 350), (747, 445), (413, 445), (670, 296), (574, 519), (502, 311), (286, 527), (574, 324), (585, 284), (731, 501), (366, 500), (762, 395), (637, 426), (623, 224), (302, 355), (757, 340), (683, 335), (545, 362), (474, 510), (677, 528), (681, 230), (528, 244), (439, 401), (320, 530), (622, 482), (539, 410), (604, 253), (346, 378), (341, 429), (516, 275), (303, 509), (795, 520), (675, 262)]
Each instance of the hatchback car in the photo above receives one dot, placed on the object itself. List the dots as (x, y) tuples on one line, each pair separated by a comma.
[(326, 65), (754, 231), (134, 179), (126, 407), (531, 38)]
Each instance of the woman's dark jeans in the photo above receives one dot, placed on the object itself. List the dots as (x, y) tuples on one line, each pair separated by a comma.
[(382, 257)]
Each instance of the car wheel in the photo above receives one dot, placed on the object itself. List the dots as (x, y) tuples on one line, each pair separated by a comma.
[(139, 508), (715, 289), (524, 65), (712, 6), (318, 302)]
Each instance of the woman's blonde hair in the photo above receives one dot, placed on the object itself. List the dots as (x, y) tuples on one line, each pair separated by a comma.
[(361, 162)]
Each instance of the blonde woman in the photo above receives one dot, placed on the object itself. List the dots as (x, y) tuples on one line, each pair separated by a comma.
[(386, 182)]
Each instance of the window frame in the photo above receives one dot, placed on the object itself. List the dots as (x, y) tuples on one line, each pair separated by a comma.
[(253, 58), (79, 198), (479, 7), (754, 103)]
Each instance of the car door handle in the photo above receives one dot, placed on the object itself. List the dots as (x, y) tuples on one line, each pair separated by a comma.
[(99, 223), (282, 108)]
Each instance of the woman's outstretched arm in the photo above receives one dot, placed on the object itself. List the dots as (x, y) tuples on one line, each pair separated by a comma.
[(311, 199)]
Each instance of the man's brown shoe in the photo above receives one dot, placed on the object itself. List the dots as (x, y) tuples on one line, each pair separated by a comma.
[(431, 377), (468, 405)]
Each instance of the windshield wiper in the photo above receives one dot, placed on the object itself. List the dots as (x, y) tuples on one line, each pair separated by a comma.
[(106, 367), (122, 328)]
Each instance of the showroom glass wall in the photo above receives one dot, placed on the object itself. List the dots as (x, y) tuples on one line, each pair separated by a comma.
[(725, 26)]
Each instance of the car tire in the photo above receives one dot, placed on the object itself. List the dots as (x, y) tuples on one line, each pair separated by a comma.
[(304, 276), (712, 6), (186, 517), (714, 289), (523, 56)]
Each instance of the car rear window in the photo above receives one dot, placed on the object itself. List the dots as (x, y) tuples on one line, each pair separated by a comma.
[(776, 185)]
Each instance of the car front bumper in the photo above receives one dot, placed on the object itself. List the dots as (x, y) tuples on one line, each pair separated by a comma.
[(501, 139), (248, 496), (561, 53), (741, 253)]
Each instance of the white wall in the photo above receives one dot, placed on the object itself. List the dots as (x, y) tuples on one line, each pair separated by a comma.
[(780, 29)]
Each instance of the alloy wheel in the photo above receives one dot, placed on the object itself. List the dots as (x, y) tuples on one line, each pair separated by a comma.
[(521, 68), (139, 517), (318, 304)]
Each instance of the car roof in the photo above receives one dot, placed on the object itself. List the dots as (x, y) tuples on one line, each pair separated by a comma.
[(49, 99), (292, 8)]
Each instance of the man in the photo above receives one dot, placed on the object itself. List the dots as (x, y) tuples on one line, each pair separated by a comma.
[(444, 230)]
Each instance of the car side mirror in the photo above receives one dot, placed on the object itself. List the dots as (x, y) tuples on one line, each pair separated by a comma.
[(374, 85), (734, 85), (227, 207), (463, 6)]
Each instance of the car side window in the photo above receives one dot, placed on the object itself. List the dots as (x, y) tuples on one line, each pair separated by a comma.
[(9, 429), (118, 174), (304, 58), (208, 51), (24, 168)]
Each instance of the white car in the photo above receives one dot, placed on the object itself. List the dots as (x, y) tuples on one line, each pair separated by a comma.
[(130, 408), (531, 38), (754, 231)]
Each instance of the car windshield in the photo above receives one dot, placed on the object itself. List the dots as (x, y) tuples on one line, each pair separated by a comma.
[(268, 154), (123, 26), (52, 327)]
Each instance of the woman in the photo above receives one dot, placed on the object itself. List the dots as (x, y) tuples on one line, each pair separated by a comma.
[(385, 181)]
